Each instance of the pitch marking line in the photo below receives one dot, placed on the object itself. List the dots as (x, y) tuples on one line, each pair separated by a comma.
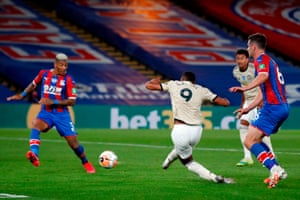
[(142, 145), (12, 196)]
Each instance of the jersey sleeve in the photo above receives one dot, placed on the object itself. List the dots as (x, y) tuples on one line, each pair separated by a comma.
[(208, 94), (38, 79), (166, 86), (235, 72), (262, 64), (71, 88)]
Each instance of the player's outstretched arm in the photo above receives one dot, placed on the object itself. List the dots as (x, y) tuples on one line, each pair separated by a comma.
[(15, 97), (255, 103), (20, 96), (153, 84), (221, 101)]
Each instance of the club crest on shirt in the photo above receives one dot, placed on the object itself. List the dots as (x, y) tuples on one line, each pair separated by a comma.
[(262, 66), (74, 90)]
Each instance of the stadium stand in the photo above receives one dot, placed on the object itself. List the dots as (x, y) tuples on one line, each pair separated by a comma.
[(163, 37), (279, 20), (4, 91), (168, 39), (29, 42)]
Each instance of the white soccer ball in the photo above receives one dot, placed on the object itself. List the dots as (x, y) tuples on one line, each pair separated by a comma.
[(108, 159)]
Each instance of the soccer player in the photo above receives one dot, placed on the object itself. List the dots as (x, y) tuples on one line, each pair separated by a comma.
[(274, 110), (57, 92), (186, 100), (244, 72)]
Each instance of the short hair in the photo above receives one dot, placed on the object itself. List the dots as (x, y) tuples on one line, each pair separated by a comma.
[(259, 38), (243, 52), (189, 76), (61, 56)]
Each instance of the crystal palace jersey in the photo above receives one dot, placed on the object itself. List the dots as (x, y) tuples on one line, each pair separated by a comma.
[(55, 87), (273, 89)]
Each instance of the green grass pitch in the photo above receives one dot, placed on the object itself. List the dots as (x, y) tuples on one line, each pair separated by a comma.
[(139, 174)]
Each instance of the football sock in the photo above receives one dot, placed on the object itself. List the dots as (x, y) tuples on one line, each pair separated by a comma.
[(262, 155), (267, 141), (243, 133), (200, 170), (172, 156), (34, 141), (79, 151), (269, 151)]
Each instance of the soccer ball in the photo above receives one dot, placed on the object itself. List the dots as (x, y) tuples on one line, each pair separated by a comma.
[(108, 159)]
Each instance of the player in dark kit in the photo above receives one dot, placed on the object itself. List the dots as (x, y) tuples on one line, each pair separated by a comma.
[(57, 93)]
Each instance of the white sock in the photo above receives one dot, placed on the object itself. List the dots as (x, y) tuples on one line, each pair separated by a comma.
[(200, 170), (267, 141), (243, 133), (172, 156)]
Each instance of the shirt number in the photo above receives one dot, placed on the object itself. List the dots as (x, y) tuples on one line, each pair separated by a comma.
[(280, 77), (186, 94)]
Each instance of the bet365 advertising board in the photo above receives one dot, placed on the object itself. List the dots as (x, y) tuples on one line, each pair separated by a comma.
[(129, 117)]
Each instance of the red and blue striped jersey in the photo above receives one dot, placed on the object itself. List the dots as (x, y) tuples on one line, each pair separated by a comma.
[(55, 87), (273, 89)]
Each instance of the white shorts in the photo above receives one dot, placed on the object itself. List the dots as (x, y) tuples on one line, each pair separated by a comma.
[(251, 115), (184, 138)]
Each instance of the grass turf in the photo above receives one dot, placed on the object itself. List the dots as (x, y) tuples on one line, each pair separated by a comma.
[(139, 174)]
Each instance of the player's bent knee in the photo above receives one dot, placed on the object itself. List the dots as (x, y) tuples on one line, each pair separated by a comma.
[(40, 125), (186, 160)]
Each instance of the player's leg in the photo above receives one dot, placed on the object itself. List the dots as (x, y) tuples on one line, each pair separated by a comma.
[(244, 125), (247, 159), (266, 143), (41, 123), (181, 137), (253, 142), (172, 156), (66, 129), (185, 138), (203, 172), (270, 119)]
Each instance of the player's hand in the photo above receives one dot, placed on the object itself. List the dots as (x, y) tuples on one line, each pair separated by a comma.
[(156, 80), (236, 89), (14, 97), (46, 101), (239, 112)]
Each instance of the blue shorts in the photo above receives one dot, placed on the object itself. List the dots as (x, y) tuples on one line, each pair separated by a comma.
[(61, 120), (270, 118)]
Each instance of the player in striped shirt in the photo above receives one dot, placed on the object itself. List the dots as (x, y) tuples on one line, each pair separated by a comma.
[(274, 111), (244, 72), (57, 93)]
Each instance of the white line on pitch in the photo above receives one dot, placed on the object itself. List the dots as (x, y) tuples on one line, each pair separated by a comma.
[(141, 145), (14, 196)]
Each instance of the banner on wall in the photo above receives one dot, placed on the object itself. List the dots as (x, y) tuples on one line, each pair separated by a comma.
[(129, 117)]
